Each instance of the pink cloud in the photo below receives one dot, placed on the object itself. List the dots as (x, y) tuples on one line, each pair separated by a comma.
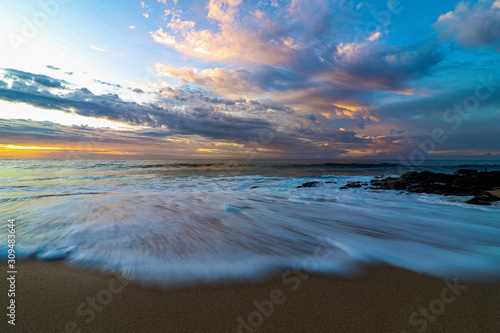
[(232, 43)]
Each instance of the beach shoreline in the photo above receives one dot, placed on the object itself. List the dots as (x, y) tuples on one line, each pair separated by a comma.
[(56, 297), (198, 229)]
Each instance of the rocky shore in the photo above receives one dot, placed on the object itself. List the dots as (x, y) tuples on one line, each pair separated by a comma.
[(482, 186), (461, 183)]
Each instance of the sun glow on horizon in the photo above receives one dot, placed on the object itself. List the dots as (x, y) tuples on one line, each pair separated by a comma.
[(17, 147), (21, 151), (24, 111)]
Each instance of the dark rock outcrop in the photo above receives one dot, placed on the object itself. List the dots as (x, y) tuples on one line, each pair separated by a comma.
[(353, 185), (309, 184), (484, 198), (462, 183)]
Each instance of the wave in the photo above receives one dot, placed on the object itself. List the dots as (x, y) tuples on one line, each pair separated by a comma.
[(225, 229), (51, 170), (33, 197), (255, 165)]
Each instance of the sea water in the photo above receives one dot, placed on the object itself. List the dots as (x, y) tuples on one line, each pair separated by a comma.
[(178, 222)]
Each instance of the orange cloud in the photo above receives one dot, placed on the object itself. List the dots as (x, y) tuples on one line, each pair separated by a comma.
[(233, 43), (227, 82)]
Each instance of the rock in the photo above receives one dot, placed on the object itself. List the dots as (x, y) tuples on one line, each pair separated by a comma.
[(309, 184), (465, 172), (483, 198), (254, 187), (353, 185), (399, 185), (476, 201), (330, 183), (462, 183)]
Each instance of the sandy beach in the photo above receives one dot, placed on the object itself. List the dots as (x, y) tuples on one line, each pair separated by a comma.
[(55, 297)]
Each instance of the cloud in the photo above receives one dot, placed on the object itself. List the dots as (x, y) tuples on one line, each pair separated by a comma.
[(96, 48), (333, 136), (297, 69), (424, 108), (390, 69), (86, 142), (256, 42), (343, 86), (137, 90), (187, 112), (227, 82), (108, 84), (199, 119), (189, 120), (36, 80), (472, 24), (237, 82), (299, 53), (375, 36)]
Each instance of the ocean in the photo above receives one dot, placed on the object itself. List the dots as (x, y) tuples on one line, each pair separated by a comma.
[(187, 221)]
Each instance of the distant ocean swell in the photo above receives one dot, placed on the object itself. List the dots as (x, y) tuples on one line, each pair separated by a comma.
[(240, 167)]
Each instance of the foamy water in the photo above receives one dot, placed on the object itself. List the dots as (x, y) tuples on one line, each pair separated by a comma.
[(187, 222)]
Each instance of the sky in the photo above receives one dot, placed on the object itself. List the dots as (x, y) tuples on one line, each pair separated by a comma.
[(299, 79)]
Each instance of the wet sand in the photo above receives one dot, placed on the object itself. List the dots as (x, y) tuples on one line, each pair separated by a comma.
[(55, 297)]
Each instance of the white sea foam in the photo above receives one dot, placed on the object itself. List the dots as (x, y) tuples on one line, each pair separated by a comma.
[(167, 229)]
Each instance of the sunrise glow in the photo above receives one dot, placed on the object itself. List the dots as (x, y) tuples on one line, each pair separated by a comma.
[(284, 79)]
